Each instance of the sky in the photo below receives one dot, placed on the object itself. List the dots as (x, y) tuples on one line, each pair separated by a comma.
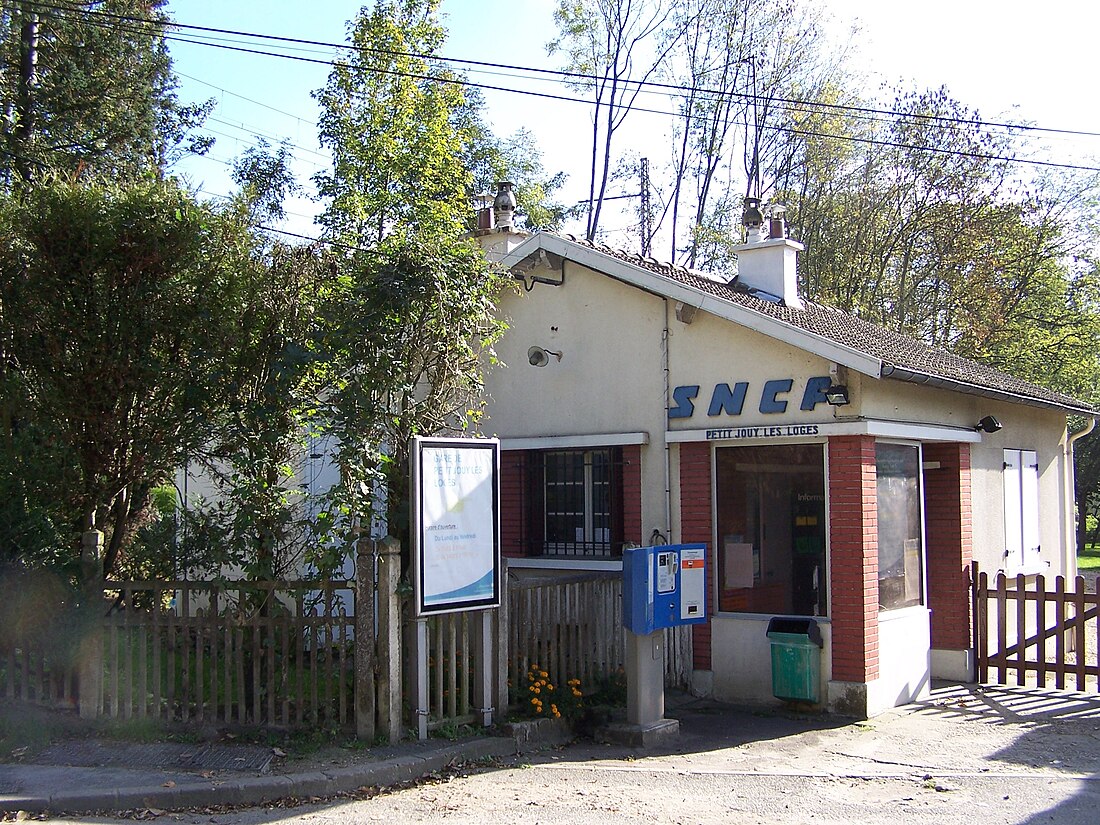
[(1002, 57)]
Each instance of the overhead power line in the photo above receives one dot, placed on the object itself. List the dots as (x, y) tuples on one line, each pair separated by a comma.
[(583, 77), (804, 105), (770, 127)]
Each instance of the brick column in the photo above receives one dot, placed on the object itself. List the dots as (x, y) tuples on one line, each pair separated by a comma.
[(512, 517), (949, 543), (632, 494), (853, 539), (696, 524)]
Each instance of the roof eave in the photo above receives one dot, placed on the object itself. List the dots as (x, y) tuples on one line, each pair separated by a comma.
[(896, 373)]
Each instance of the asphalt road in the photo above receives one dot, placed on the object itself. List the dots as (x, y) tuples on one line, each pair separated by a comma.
[(968, 755)]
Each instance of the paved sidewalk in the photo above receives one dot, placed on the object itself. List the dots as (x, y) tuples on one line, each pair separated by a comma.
[(961, 730), (164, 784)]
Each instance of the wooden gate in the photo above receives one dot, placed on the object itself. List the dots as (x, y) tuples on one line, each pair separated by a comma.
[(1042, 637)]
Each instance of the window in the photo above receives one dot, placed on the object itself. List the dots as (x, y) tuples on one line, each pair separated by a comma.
[(900, 545), (576, 508), (771, 529), (1021, 485)]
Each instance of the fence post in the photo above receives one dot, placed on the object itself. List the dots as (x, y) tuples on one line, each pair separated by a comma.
[(484, 666), (502, 649), (90, 669), (364, 639), (389, 638)]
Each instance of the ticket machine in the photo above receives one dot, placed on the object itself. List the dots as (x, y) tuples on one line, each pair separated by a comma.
[(664, 586)]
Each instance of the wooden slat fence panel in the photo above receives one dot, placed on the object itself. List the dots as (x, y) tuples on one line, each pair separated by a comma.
[(255, 653), (569, 625), (1038, 635), (36, 669)]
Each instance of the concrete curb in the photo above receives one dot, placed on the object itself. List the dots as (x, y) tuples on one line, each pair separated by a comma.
[(257, 790)]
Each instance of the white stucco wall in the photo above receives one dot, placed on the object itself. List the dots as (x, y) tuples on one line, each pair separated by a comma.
[(742, 656), (905, 666), (610, 379)]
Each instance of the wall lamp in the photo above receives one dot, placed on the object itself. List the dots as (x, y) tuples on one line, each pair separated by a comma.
[(837, 395), (989, 424), (539, 357)]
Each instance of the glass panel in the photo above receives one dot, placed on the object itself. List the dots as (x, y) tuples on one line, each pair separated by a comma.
[(900, 552), (771, 529)]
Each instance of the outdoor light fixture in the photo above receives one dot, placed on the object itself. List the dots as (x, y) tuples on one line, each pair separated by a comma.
[(989, 424), (837, 395), (539, 357)]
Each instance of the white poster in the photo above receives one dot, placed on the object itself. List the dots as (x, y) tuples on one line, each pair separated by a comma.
[(455, 481)]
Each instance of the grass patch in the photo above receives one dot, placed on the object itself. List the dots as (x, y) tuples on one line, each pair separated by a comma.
[(1089, 559)]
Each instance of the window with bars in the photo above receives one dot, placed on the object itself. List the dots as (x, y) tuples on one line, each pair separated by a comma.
[(574, 503)]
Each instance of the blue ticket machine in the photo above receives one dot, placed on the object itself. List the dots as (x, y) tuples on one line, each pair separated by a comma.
[(664, 586)]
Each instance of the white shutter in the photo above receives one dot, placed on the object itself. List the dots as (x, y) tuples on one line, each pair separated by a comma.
[(1029, 507), (1014, 522)]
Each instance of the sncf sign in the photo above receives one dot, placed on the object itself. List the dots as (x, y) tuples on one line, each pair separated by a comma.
[(730, 400)]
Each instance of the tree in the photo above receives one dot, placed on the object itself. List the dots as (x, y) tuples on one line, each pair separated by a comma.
[(918, 223), (87, 88), (604, 42), (743, 67), (410, 318), (387, 117), (114, 303), (417, 326)]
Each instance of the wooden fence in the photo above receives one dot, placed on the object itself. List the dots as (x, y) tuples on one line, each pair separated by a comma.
[(38, 667), (569, 625), (291, 654), (450, 673), (1043, 637), (250, 653), (276, 654)]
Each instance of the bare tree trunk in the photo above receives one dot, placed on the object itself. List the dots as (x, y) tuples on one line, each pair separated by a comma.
[(28, 85)]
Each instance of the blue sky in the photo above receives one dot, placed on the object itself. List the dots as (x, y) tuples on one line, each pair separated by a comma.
[(1002, 57)]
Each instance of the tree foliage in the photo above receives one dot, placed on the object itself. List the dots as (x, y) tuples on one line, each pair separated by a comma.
[(611, 47), (387, 117), (114, 304), (87, 88)]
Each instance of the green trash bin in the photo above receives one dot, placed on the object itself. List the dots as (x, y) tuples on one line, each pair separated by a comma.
[(796, 659)]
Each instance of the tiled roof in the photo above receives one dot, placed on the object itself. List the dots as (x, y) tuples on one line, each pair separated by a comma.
[(902, 357)]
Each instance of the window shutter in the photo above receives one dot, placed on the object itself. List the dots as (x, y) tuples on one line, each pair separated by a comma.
[(1021, 483), (1013, 496), (1029, 506)]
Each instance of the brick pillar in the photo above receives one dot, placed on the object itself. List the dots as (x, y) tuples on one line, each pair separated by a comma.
[(853, 538), (696, 525), (949, 543), (632, 494), (512, 490)]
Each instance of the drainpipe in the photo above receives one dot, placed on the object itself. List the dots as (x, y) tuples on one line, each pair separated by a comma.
[(664, 426), (1070, 565)]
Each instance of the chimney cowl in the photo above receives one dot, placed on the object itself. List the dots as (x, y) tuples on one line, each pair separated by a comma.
[(504, 205), (777, 224), (752, 218)]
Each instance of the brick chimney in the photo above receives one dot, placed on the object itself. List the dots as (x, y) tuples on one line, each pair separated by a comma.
[(767, 261)]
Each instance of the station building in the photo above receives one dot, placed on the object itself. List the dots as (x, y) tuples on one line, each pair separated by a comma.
[(835, 470)]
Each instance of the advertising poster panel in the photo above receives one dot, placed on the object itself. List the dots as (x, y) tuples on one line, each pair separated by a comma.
[(456, 530)]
